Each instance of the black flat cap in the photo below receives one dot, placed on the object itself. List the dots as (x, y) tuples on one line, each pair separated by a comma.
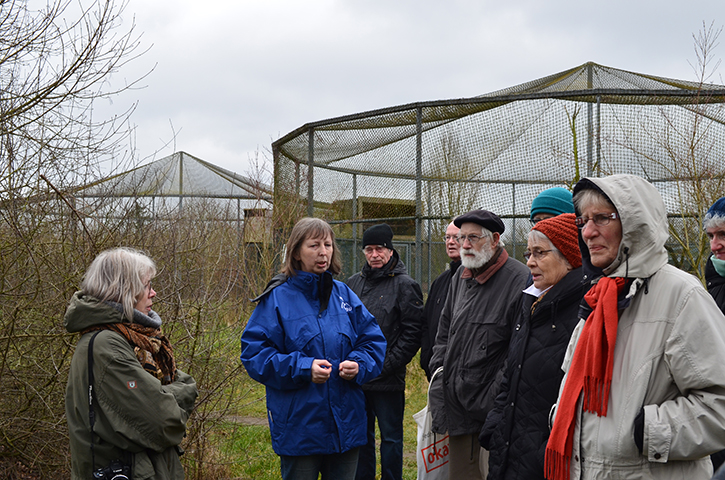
[(484, 218)]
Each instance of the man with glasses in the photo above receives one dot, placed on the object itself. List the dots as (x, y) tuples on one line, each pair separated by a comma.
[(473, 337), (437, 298), (396, 301)]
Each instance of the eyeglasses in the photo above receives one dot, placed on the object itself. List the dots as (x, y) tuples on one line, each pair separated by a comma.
[(471, 238), (447, 238), (600, 219), (536, 220), (147, 287), (537, 254), (370, 249)]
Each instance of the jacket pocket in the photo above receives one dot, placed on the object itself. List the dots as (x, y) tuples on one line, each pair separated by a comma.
[(346, 337), (298, 335), (142, 466)]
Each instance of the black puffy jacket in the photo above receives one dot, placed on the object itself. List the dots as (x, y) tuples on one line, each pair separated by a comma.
[(432, 312), (715, 285), (517, 429), (396, 301), (716, 288)]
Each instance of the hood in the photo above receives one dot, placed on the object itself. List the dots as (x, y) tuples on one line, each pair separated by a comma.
[(85, 311), (276, 281), (644, 225)]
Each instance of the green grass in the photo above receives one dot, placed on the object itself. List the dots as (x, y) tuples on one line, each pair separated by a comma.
[(245, 451)]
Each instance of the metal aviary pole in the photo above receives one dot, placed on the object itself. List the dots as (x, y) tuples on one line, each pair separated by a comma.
[(590, 127), (418, 192), (310, 173), (354, 223)]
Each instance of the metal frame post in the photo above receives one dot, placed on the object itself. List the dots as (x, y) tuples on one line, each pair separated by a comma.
[(418, 191), (310, 173)]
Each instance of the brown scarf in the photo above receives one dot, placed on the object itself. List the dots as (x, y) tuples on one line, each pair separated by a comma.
[(152, 348), (590, 371)]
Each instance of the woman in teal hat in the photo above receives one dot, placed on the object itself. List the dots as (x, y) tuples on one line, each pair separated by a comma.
[(550, 203)]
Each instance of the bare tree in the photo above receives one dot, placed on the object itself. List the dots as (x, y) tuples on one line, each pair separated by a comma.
[(56, 63), (689, 139)]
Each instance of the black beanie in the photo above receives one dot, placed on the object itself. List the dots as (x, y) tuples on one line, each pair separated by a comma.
[(380, 234)]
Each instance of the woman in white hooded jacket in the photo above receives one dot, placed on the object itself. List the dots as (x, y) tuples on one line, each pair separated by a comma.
[(644, 391)]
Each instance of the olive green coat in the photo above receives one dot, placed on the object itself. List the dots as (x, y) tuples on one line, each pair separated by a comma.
[(137, 418)]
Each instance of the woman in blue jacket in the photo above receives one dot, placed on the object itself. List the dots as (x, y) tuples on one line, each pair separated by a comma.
[(312, 343)]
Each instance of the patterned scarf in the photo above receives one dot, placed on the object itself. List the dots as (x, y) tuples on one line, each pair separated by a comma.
[(152, 348), (590, 372)]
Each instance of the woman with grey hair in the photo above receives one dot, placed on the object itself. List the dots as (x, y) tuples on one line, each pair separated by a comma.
[(517, 428), (644, 389), (139, 401)]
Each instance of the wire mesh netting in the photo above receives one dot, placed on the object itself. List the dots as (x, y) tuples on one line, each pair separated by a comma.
[(417, 166)]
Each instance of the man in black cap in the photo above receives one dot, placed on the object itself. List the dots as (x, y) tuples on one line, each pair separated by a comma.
[(472, 340), (396, 301)]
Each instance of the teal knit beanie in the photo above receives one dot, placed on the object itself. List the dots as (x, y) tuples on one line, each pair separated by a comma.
[(556, 200)]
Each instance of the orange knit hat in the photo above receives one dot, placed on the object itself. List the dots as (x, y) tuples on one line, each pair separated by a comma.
[(564, 234)]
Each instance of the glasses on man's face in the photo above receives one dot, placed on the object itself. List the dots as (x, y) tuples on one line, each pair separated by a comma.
[(537, 254), (448, 238), (600, 219), (473, 239), (370, 249)]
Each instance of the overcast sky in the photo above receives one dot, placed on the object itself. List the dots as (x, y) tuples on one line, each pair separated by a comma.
[(233, 76)]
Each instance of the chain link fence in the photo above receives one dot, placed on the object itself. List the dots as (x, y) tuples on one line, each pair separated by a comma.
[(417, 166)]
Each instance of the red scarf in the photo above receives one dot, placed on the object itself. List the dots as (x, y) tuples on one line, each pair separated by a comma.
[(590, 371)]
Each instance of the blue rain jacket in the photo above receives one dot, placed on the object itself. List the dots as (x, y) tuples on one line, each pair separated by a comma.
[(297, 320)]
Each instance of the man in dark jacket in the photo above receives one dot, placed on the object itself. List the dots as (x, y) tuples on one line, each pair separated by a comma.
[(437, 298), (473, 337), (396, 301), (714, 225)]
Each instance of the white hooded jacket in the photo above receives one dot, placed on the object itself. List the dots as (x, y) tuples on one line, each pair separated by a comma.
[(669, 357)]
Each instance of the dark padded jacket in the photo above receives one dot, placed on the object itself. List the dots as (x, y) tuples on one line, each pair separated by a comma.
[(471, 345), (715, 285), (716, 289), (432, 313), (516, 429), (396, 302)]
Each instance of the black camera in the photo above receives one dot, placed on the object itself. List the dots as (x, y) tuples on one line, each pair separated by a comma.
[(116, 470)]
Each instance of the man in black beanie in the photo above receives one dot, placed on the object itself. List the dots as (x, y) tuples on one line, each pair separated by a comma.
[(396, 301)]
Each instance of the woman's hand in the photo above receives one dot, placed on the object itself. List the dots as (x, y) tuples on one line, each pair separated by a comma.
[(320, 370), (348, 370)]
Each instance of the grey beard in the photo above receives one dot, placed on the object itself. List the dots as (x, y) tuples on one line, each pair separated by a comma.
[(480, 258)]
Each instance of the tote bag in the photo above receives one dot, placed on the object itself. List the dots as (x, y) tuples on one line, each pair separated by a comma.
[(432, 451)]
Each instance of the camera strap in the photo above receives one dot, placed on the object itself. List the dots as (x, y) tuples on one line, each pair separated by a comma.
[(91, 413)]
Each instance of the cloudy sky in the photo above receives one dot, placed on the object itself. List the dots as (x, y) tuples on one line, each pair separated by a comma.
[(231, 76)]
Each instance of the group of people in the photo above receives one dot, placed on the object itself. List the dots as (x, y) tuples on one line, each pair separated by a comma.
[(595, 359)]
